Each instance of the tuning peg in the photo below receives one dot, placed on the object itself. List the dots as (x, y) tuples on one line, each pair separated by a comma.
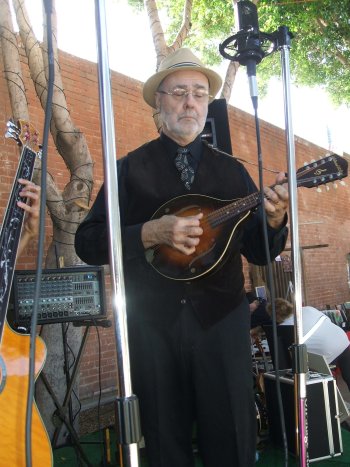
[(327, 188), (342, 183), (319, 190), (305, 163), (335, 186), (12, 130), (10, 133), (11, 124)]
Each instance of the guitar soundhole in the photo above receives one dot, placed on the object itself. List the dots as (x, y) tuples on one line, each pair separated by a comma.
[(2, 374)]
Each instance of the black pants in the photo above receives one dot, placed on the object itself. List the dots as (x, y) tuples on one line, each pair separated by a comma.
[(184, 374)]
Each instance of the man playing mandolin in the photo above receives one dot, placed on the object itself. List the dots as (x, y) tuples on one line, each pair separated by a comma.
[(188, 316)]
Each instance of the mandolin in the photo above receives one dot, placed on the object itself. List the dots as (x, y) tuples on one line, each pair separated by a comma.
[(221, 219), (14, 347)]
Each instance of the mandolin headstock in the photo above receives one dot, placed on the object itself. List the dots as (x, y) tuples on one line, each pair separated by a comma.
[(24, 133), (326, 170)]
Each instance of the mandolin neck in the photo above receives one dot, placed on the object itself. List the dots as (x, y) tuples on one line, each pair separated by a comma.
[(234, 209)]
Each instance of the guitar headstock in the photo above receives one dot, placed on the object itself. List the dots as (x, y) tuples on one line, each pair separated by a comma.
[(24, 133), (328, 169)]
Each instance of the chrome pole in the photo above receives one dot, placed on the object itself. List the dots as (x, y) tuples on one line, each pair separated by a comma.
[(299, 349), (127, 413)]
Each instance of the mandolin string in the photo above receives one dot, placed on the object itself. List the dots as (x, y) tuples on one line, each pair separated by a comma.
[(220, 215), (233, 209)]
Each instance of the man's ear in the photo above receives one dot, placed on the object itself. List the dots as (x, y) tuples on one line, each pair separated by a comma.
[(157, 100)]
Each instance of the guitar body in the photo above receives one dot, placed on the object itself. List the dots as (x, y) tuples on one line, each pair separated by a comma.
[(14, 347), (14, 364), (214, 243)]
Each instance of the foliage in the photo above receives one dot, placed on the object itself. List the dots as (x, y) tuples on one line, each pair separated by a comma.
[(320, 48), (319, 53), (136, 5), (212, 22)]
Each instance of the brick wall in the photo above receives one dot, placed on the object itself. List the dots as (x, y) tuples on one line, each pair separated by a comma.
[(324, 217)]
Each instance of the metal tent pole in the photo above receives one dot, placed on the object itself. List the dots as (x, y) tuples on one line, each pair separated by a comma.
[(127, 414)]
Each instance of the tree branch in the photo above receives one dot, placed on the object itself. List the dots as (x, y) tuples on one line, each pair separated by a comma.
[(185, 26), (338, 54), (12, 64)]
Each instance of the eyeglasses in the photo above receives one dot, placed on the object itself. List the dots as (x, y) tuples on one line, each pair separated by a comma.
[(179, 93)]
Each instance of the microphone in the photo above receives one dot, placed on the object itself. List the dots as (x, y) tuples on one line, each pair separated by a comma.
[(247, 43), (249, 51)]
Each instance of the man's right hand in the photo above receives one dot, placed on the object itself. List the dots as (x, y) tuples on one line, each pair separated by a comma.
[(181, 233)]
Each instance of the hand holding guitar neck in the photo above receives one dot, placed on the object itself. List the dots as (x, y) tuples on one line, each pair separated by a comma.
[(31, 193), (14, 347)]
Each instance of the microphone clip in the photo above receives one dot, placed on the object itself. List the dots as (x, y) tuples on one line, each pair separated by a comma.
[(247, 46)]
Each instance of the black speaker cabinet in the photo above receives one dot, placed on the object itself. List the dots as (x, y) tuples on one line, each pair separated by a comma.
[(217, 129), (324, 432)]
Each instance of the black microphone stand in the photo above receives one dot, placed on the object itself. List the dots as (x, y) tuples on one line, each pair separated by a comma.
[(248, 47)]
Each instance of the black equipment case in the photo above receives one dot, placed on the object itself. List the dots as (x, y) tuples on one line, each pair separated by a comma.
[(323, 419)]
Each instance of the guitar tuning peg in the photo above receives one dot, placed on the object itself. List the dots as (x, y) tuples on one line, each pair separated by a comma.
[(10, 124), (305, 163), (327, 188), (335, 186), (313, 160), (319, 190), (342, 183)]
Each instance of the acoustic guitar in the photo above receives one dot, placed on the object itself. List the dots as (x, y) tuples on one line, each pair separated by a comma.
[(221, 219), (14, 347)]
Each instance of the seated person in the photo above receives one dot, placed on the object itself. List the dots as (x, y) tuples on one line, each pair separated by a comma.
[(258, 314), (322, 336)]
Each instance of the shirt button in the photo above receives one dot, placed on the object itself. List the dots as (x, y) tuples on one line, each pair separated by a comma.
[(183, 301)]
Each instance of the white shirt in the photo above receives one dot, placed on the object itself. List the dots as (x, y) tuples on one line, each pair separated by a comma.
[(328, 339)]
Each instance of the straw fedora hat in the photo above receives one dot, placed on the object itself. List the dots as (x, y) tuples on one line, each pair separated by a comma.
[(181, 59)]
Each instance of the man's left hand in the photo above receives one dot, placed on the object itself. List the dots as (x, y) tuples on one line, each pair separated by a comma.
[(32, 209), (276, 202)]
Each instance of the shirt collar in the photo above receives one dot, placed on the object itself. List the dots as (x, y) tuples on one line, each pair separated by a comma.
[(195, 147)]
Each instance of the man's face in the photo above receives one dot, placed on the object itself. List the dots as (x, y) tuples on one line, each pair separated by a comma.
[(183, 117)]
